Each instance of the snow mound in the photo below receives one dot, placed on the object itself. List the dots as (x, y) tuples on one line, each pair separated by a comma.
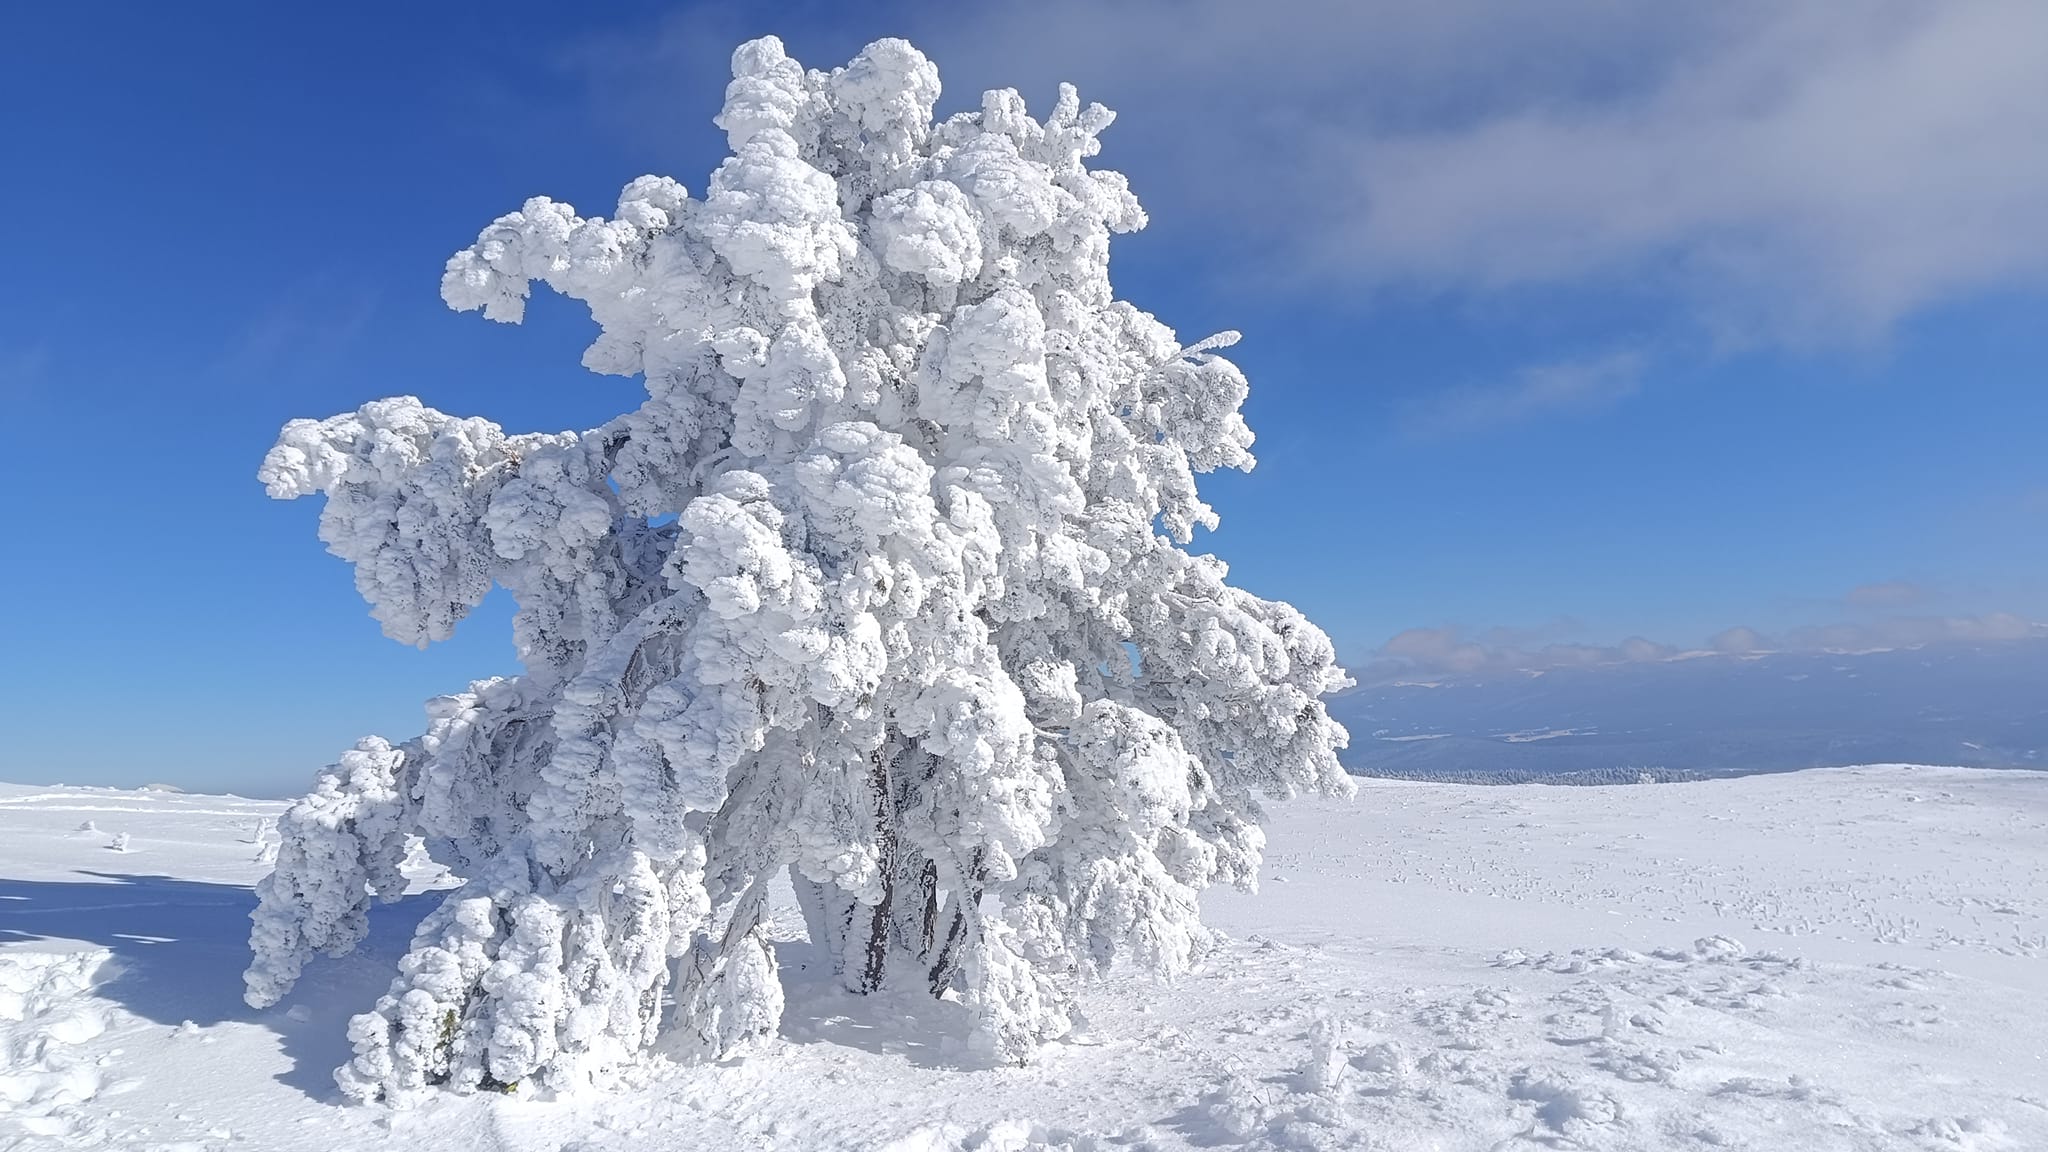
[(47, 1010)]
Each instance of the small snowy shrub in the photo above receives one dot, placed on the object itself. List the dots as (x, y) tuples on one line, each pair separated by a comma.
[(1328, 1057), (884, 586)]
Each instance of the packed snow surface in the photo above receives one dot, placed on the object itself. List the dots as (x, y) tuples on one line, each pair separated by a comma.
[(1842, 959)]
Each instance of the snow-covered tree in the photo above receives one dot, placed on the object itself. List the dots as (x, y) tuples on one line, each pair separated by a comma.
[(883, 588)]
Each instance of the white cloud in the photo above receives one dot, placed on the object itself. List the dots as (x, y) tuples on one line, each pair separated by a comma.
[(1565, 385), (1421, 654), (1911, 632), (1739, 640), (1791, 168), (1424, 653), (1844, 164)]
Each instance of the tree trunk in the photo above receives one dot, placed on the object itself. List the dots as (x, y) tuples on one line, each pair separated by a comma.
[(963, 903), (871, 925), (916, 904), (823, 918)]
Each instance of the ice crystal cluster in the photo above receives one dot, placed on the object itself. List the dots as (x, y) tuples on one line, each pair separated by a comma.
[(883, 590)]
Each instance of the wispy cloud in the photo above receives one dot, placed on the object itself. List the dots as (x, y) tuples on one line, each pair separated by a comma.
[(1891, 594), (1424, 653), (23, 372), (308, 322), (1539, 390), (1910, 632), (1788, 168), (1811, 167), (1421, 654), (1739, 640)]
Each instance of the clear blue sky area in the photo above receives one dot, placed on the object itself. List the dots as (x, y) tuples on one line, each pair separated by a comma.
[(1482, 404)]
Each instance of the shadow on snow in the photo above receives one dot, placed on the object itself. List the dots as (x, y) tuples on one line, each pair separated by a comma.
[(905, 1023), (179, 948)]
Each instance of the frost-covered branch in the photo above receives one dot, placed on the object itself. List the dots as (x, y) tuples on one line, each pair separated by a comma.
[(884, 586)]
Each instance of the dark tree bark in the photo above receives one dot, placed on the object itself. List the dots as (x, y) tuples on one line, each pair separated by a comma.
[(872, 924), (964, 902)]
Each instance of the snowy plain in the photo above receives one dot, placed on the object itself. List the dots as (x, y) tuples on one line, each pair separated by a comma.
[(1846, 958)]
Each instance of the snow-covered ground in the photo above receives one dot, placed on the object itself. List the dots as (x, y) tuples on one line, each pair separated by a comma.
[(1841, 959)]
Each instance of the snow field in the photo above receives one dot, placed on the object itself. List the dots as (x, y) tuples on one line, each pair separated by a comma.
[(1834, 960)]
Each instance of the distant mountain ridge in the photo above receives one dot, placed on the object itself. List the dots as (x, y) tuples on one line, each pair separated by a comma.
[(1982, 705)]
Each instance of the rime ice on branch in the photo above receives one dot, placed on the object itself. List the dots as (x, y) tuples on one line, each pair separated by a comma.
[(884, 586)]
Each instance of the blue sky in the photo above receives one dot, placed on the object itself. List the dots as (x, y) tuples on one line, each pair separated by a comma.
[(1635, 321)]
